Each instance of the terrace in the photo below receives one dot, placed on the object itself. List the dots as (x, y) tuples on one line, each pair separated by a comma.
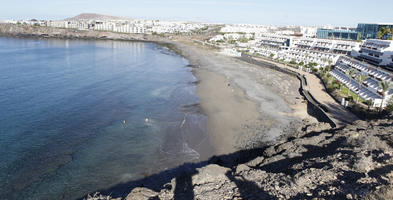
[(353, 85)]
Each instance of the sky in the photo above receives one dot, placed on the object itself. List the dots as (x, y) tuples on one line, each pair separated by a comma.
[(264, 12)]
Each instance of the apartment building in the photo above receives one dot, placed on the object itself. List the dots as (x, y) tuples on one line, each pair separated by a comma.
[(273, 40), (376, 52), (369, 89), (324, 45)]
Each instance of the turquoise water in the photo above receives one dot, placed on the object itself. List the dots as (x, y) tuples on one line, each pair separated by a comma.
[(78, 116)]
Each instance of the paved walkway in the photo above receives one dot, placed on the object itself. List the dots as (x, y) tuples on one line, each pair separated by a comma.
[(337, 113)]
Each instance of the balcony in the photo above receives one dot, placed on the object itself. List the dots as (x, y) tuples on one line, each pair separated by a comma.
[(371, 59)]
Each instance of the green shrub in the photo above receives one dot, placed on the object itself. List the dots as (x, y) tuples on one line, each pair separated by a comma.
[(368, 103), (389, 107), (244, 40), (335, 85), (312, 64), (325, 79)]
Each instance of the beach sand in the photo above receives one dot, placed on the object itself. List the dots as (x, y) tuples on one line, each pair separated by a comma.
[(245, 104), (226, 107)]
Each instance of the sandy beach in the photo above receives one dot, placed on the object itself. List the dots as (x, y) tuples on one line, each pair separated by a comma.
[(245, 107), (245, 104)]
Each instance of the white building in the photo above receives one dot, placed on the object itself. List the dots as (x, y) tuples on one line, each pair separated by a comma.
[(312, 44), (376, 52), (325, 45), (309, 32), (100, 25), (80, 25), (369, 89), (273, 40), (217, 38), (299, 56), (302, 49), (322, 59), (117, 26), (129, 26), (174, 27), (244, 28), (285, 32), (57, 24), (8, 22)]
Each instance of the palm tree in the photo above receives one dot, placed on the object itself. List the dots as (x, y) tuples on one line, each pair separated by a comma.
[(360, 78), (383, 31), (385, 86), (330, 62), (340, 86), (350, 73), (380, 33)]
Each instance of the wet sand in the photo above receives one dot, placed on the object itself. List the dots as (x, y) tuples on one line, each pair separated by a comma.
[(226, 107), (245, 104)]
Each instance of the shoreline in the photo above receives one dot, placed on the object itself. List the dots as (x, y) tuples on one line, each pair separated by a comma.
[(314, 161), (247, 105), (242, 113), (227, 95)]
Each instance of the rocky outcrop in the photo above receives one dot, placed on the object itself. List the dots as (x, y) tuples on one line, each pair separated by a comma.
[(354, 162)]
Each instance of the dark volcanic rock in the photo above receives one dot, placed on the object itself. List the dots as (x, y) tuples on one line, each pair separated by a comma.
[(355, 162)]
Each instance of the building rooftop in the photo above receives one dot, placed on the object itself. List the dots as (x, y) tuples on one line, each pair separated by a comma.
[(378, 23), (340, 30)]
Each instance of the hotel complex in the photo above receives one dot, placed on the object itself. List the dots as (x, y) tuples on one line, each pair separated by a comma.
[(306, 47), (340, 34), (362, 32), (376, 52), (370, 31), (369, 89), (339, 48)]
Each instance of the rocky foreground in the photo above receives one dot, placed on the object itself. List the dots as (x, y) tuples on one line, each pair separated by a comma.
[(355, 162)]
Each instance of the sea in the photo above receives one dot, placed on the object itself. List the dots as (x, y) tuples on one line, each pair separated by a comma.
[(77, 116)]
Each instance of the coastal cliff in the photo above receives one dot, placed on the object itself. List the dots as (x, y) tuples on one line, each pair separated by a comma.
[(316, 162)]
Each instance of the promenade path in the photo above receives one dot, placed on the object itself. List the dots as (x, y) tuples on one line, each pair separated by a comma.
[(336, 112)]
